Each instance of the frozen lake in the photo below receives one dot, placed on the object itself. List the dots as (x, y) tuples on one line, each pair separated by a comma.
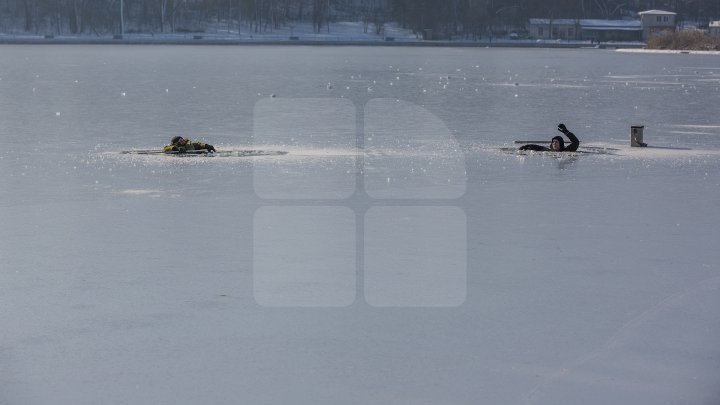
[(395, 255)]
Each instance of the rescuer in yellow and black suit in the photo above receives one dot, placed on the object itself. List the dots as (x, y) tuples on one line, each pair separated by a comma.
[(183, 145)]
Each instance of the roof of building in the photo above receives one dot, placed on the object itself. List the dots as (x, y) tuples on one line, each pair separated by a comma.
[(612, 28), (612, 24), (622, 25), (553, 21), (657, 12)]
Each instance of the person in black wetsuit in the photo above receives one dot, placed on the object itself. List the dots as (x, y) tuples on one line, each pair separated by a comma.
[(557, 144)]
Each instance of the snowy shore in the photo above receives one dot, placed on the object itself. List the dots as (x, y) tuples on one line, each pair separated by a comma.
[(340, 34), (670, 51), (299, 41), (209, 40)]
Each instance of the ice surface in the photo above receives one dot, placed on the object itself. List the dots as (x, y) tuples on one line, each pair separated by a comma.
[(396, 254)]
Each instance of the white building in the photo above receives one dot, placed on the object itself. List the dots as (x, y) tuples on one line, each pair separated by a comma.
[(656, 21), (714, 29)]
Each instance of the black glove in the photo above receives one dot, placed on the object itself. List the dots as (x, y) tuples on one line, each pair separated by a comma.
[(182, 150), (209, 147), (562, 128), (175, 149)]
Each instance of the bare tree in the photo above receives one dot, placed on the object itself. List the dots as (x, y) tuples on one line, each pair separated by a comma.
[(75, 14), (30, 8), (609, 8), (320, 12), (168, 12)]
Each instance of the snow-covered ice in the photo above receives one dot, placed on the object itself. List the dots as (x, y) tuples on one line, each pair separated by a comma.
[(396, 254)]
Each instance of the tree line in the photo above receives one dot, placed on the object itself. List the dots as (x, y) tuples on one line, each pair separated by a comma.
[(460, 18)]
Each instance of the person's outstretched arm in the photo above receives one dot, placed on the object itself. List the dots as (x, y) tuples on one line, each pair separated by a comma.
[(574, 141), (206, 146)]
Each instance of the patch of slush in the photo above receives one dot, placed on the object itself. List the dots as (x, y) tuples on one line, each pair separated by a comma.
[(657, 152), (142, 192), (667, 51), (115, 156), (294, 153)]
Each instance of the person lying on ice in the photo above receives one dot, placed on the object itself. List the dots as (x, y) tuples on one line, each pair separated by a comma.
[(182, 145), (557, 144)]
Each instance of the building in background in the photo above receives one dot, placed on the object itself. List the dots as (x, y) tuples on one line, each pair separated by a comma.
[(656, 21), (611, 30), (583, 30), (651, 22), (714, 29)]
